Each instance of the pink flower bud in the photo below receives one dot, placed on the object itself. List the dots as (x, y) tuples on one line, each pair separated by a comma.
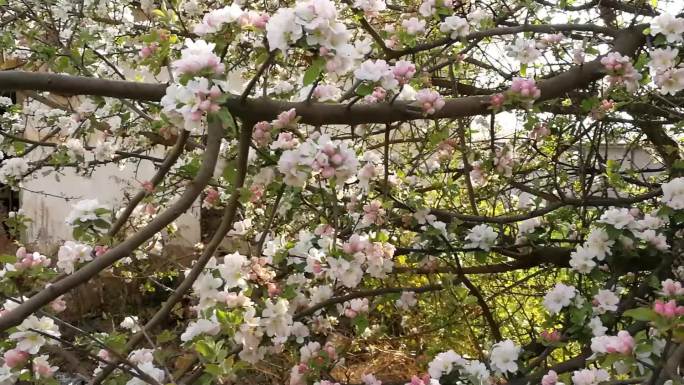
[(15, 358)]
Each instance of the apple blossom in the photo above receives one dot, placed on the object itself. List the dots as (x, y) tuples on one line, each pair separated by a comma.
[(559, 297)]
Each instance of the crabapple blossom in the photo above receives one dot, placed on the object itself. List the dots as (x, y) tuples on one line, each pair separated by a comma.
[(622, 343), (672, 288), (376, 71), (276, 319), (407, 300), (198, 56), (582, 259), (443, 363), (369, 379), (199, 327), (354, 307), (605, 301), (15, 358), (42, 368), (13, 169), (621, 71), (71, 253), (231, 270), (261, 134), (327, 93), (662, 58), (30, 341), (659, 241), (84, 211), (599, 243), (130, 323), (403, 71), (282, 30), (670, 81), (482, 237), (670, 26), (504, 356), (596, 327), (589, 376), (430, 101), (551, 378), (523, 50), (214, 21), (558, 298), (413, 26), (619, 218), (523, 90), (370, 7), (455, 26), (673, 193), (668, 309)]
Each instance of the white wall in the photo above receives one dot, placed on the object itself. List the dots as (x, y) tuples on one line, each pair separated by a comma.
[(108, 184)]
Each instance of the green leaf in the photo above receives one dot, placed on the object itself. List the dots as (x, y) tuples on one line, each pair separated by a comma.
[(230, 172), (364, 89), (641, 314), (360, 324), (204, 349), (6, 258), (313, 71), (165, 336), (226, 118)]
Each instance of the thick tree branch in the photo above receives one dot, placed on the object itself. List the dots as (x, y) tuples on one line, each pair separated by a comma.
[(627, 42), (126, 247)]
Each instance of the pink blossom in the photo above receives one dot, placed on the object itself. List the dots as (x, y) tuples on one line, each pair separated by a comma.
[(524, 89), (285, 141), (403, 71), (668, 309), (100, 250), (373, 213), (257, 192), (198, 56), (148, 186), (42, 368), (29, 260), (603, 108), (104, 354), (424, 380), (261, 133), (672, 288), (430, 101), (621, 71), (254, 19), (324, 230), (551, 335), (211, 198), (540, 131), (148, 50), (15, 358), (496, 101), (273, 289), (550, 378), (286, 119), (58, 305)]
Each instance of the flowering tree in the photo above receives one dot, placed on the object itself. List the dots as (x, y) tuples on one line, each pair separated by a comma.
[(433, 176)]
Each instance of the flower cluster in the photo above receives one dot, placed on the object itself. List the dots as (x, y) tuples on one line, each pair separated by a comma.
[(482, 237), (455, 26), (198, 57), (323, 156), (187, 105), (621, 71), (446, 362)]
